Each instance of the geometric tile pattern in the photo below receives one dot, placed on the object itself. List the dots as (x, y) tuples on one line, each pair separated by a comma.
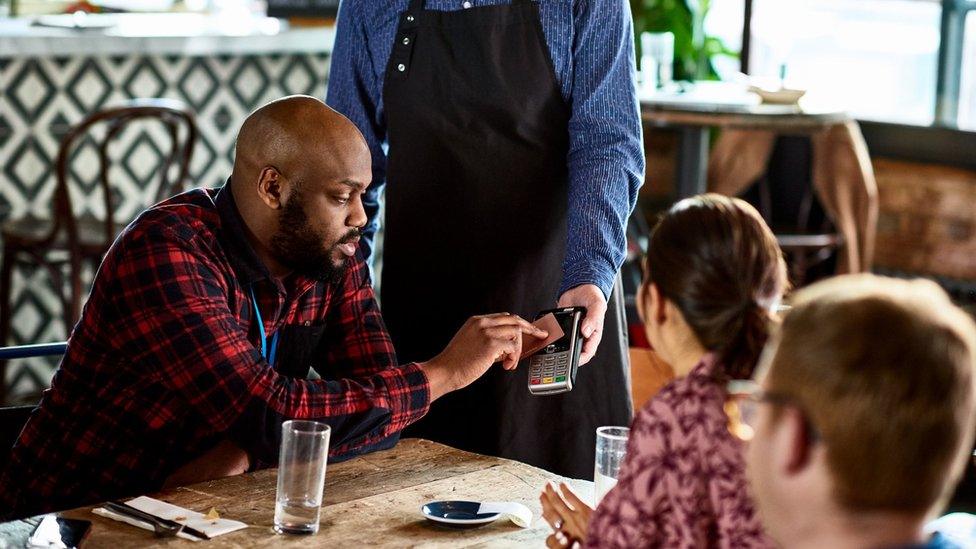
[(41, 98)]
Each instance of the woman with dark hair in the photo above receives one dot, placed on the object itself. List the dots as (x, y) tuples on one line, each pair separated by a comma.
[(714, 275)]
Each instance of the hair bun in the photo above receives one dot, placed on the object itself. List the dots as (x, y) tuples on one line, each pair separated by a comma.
[(751, 326)]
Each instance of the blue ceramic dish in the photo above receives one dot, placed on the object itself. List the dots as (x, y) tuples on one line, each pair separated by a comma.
[(457, 514)]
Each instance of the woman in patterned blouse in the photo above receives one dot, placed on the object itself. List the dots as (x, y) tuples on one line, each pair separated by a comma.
[(714, 274)]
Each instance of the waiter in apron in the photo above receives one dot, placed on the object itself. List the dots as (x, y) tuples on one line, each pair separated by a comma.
[(507, 136)]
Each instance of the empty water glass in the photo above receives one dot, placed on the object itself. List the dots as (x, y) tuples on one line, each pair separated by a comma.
[(611, 446), (301, 476), (657, 58)]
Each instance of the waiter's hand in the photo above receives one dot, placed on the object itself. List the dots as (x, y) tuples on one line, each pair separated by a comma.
[(481, 342), (591, 297)]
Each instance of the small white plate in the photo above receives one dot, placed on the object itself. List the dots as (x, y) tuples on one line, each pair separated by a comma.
[(782, 96)]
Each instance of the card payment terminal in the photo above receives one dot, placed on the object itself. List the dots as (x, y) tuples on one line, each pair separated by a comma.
[(553, 369)]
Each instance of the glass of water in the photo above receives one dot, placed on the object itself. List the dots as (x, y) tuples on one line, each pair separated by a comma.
[(611, 445), (301, 476)]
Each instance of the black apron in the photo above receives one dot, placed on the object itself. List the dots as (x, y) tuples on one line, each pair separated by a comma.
[(476, 207)]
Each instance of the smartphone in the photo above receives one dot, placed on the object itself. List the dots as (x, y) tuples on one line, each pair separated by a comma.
[(553, 369), (55, 531)]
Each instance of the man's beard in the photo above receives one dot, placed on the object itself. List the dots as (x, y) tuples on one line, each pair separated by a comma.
[(298, 247)]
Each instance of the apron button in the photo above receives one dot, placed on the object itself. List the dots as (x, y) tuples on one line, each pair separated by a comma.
[(410, 19), (406, 40), (466, 5), (401, 67)]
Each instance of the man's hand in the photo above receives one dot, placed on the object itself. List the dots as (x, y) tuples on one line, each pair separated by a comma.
[(226, 459), (591, 297), (482, 341)]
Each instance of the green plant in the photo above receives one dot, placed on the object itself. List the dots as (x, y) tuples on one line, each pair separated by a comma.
[(693, 49)]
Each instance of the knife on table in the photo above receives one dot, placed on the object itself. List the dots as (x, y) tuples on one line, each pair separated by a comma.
[(130, 511)]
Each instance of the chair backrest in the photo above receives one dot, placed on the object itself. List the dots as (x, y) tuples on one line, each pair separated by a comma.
[(784, 195), (25, 351), (12, 421), (180, 125)]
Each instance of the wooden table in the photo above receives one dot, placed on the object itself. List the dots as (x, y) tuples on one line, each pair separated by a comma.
[(709, 105), (373, 500)]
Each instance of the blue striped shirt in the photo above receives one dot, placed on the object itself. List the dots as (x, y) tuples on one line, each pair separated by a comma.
[(592, 50)]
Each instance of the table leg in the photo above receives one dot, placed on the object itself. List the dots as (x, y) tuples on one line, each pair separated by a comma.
[(692, 167)]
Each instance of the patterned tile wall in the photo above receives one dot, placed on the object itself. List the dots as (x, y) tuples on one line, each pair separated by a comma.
[(42, 97)]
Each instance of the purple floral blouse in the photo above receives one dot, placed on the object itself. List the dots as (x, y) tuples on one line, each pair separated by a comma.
[(682, 483)]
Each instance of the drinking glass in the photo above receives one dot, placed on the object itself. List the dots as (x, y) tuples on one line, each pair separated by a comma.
[(301, 476), (611, 445), (657, 58)]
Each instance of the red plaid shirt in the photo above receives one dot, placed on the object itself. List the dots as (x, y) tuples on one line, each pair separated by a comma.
[(166, 362)]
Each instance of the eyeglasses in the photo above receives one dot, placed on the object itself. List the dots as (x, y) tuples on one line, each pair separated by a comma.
[(742, 408)]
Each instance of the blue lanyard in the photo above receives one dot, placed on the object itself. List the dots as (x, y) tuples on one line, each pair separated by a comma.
[(264, 337)]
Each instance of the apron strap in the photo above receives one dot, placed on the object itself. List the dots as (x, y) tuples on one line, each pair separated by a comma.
[(418, 5)]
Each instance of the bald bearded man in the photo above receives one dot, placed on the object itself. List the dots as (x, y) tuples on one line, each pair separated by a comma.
[(209, 312)]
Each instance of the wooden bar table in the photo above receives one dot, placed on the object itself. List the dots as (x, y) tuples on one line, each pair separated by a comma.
[(372, 500), (707, 105)]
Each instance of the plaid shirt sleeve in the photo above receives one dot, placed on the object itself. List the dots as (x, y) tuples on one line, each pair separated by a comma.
[(358, 343), (180, 328)]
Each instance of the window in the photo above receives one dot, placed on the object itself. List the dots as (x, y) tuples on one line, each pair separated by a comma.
[(724, 21), (875, 58), (902, 61), (967, 89)]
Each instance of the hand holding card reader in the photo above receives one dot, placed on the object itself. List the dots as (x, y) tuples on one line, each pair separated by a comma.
[(553, 369)]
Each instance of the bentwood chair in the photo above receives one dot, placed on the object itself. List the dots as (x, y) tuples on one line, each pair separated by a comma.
[(64, 243), (13, 418), (786, 199), (12, 421)]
